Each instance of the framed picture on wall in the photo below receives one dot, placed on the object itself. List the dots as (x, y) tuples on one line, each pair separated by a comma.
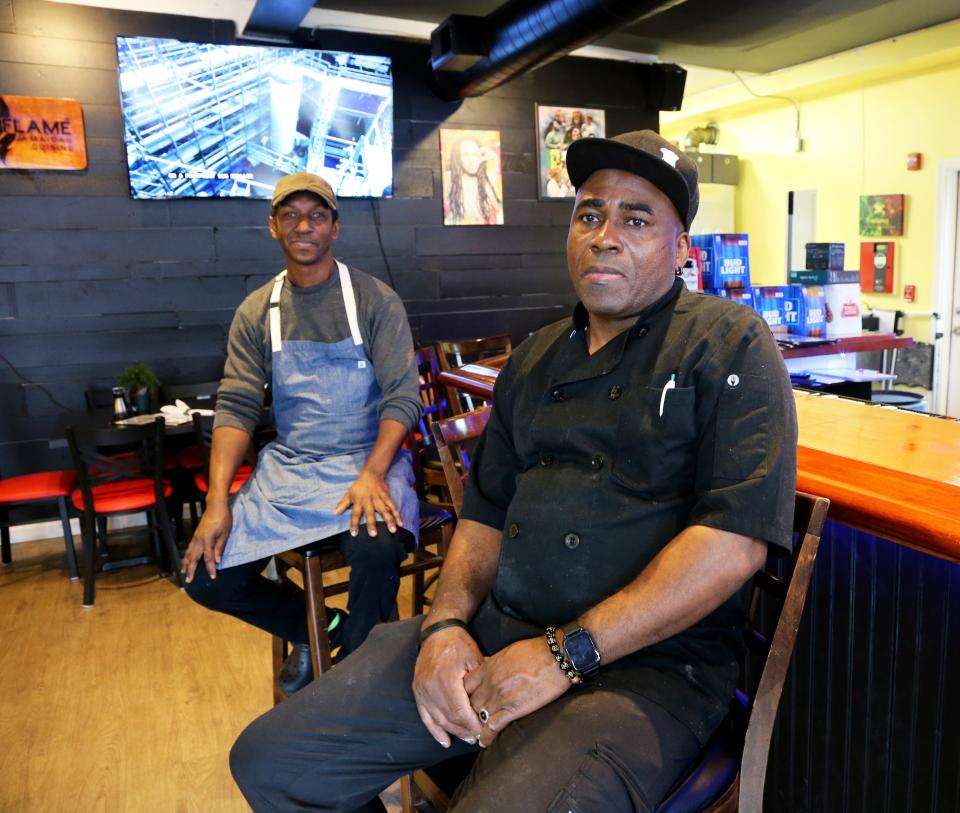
[(41, 133), (881, 215), (557, 128), (470, 177)]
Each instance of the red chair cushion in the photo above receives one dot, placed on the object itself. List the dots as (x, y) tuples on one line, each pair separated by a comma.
[(123, 495), (44, 485), (242, 475), (190, 458)]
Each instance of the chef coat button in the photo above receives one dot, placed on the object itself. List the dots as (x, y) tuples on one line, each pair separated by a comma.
[(557, 395), (571, 541), (596, 461), (546, 460), (513, 531), (615, 392)]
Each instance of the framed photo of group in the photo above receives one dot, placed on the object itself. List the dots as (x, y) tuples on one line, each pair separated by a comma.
[(557, 128)]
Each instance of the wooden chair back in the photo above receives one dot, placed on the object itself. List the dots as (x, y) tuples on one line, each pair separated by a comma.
[(736, 757), (452, 354), (454, 438)]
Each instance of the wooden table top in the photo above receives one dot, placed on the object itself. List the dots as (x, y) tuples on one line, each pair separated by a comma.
[(893, 473)]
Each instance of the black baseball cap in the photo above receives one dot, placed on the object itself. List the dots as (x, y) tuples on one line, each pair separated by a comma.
[(644, 153)]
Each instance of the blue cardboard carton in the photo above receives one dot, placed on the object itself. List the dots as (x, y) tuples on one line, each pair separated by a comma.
[(768, 301), (805, 310), (726, 260), (742, 295)]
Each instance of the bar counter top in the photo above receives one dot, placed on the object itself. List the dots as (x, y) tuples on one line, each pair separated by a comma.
[(891, 472)]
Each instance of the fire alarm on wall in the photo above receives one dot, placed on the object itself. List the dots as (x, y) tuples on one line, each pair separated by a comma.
[(910, 292), (914, 161)]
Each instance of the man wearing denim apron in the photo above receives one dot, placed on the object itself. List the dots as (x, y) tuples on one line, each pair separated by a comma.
[(335, 346)]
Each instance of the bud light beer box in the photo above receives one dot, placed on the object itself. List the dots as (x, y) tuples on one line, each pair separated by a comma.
[(690, 271), (742, 295), (805, 310), (726, 260), (769, 302)]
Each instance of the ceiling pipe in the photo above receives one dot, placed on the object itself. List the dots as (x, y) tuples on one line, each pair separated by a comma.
[(471, 55)]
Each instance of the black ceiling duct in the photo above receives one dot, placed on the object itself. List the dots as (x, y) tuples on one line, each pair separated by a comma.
[(471, 55)]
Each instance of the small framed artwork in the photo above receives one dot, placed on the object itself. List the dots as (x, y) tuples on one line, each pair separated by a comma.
[(881, 215), (470, 177), (41, 133), (557, 129)]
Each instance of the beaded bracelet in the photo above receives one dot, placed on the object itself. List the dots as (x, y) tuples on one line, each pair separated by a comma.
[(565, 666)]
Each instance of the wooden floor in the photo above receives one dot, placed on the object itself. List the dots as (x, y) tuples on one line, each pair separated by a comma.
[(132, 705)]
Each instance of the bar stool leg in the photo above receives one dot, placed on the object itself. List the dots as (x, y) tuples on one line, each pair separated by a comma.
[(316, 615), (68, 538), (5, 551)]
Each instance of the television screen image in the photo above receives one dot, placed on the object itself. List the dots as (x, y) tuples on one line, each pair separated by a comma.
[(223, 121)]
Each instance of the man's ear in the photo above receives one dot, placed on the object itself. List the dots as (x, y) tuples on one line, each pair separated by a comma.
[(683, 248), (335, 229), (272, 223)]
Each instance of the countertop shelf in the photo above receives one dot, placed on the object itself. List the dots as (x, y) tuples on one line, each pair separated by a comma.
[(865, 343)]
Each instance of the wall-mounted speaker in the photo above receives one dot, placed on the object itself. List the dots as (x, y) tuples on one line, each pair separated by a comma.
[(663, 84)]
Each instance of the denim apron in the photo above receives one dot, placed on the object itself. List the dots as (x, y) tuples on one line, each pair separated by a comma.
[(325, 400)]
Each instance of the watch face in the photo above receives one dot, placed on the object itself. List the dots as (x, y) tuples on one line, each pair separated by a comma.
[(581, 651)]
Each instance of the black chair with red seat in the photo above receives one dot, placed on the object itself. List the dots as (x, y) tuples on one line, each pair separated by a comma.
[(37, 488), (123, 484), (203, 434), (730, 775)]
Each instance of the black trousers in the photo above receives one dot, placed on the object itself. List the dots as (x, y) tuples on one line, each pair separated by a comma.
[(280, 609), (338, 743)]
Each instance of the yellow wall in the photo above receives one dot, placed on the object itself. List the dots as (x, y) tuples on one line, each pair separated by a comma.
[(856, 142)]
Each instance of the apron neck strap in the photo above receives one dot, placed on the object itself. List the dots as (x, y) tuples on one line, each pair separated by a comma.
[(276, 343), (349, 304)]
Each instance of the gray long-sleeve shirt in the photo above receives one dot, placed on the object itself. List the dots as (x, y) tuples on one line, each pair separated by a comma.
[(317, 314)]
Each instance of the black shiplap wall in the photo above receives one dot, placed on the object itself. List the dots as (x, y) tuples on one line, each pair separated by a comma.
[(91, 281)]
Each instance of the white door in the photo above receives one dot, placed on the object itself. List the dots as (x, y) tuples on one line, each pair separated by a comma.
[(952, 341)]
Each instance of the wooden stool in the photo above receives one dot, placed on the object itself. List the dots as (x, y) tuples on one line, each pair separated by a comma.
[(317, 558)]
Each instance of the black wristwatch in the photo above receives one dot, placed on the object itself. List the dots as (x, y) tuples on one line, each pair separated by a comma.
[(580, 650)]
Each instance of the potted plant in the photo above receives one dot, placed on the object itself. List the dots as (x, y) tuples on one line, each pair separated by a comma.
[(141, 383)]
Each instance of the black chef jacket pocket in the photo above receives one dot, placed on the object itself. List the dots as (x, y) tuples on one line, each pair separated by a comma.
[(743, 415), (655, 456)]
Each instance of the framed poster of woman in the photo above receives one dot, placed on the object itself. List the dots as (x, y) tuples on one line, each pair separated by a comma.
[(470, 177), (557, 129)]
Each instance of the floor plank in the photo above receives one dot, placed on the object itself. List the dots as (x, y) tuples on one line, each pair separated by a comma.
[(131, 705)]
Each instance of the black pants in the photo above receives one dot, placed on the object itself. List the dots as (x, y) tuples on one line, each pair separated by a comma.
[(338, 743), (280, 609)]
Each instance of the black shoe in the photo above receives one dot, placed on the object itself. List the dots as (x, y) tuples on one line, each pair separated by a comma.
[(297, 670)]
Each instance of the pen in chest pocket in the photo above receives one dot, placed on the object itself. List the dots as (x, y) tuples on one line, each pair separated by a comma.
[(671, 384)]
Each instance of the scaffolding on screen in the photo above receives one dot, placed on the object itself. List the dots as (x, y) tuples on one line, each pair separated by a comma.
[(208, 120)]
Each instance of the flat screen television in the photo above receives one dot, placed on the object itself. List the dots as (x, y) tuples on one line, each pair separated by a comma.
[(223, 121)]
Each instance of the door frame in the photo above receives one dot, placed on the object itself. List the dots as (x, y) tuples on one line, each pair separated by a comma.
[(946, 262)]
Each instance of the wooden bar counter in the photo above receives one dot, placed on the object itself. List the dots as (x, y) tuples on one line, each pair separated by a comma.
[(889, 472)]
